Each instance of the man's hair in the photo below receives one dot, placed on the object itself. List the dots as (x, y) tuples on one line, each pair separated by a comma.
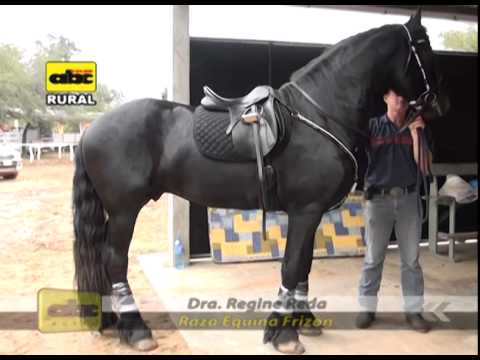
[(388, 88), (394, 89)]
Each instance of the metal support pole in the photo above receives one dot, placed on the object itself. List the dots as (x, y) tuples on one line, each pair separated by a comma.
[(178, 208)]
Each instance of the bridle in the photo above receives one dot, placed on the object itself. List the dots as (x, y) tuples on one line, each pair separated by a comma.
[(428, 96)]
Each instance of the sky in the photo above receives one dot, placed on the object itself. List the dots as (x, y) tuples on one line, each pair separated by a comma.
[(132, 45)]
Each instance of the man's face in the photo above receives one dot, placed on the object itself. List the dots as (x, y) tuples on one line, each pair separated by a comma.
[(395, 103)]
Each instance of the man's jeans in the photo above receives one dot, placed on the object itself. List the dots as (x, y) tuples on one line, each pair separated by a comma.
[(381, 214)]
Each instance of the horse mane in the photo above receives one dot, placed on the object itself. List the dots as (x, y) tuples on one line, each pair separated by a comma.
[(344, 46)]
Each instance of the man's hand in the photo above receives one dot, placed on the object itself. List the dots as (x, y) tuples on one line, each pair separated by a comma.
[(417, 123)]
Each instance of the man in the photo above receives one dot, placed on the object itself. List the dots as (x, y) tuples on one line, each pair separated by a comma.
[(392, 202)]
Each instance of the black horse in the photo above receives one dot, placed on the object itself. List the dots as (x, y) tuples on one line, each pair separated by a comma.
[(146, 147)]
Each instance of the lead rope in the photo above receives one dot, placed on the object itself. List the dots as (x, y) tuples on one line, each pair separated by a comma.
[(422, 178)]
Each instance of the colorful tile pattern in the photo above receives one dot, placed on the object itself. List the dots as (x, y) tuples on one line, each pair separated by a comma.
[(235, 235)]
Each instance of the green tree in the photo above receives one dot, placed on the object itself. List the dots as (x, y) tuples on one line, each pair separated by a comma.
[(461, 40), (17, 99)]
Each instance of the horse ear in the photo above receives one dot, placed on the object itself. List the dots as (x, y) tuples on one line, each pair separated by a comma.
[(415, 20)]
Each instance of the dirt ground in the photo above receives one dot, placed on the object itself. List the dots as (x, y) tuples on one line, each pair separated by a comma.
[(36, 238)]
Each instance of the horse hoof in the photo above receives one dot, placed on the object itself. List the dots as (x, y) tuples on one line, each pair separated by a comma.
[(310, 331), (145, 345), (291, 347)]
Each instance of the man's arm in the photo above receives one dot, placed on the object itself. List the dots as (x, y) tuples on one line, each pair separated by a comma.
[(426, 154)]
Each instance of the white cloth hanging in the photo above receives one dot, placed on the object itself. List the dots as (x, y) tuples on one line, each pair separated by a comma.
[(458, 188)]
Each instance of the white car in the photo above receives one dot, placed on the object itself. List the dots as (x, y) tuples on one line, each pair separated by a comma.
[(10, 161)]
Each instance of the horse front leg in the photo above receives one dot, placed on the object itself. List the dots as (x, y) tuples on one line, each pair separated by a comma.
[(308, 324), (282, 325)]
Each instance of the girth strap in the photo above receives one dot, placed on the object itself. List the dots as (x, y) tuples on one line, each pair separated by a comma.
[(252, 118)]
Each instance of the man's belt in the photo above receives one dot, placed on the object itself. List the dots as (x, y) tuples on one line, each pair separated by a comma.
[(393, 191)]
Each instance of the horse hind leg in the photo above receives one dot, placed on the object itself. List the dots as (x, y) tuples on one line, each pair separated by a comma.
[(131, 327)]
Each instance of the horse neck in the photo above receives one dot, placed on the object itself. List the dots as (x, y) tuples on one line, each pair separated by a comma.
[(348, 81)]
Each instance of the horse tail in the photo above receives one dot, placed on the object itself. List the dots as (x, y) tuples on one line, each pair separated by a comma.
[(89, 223)]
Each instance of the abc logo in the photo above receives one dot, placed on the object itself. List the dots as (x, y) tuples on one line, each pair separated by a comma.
[(71, 78)]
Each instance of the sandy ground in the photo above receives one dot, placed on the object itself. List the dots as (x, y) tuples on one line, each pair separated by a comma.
[(36, 237)]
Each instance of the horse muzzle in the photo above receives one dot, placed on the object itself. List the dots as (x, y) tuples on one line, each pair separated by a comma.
[(430, 105)]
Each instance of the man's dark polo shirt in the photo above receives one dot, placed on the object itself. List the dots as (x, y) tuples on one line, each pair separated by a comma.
[(390, 155)]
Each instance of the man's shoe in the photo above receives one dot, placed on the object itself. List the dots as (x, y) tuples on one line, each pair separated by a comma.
[(365, 319), (417, 322)]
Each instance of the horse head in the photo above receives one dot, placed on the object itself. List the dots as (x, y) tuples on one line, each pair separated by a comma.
[(416, 75)]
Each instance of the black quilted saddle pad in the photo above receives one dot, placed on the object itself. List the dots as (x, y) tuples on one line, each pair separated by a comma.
[(209, 131)]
